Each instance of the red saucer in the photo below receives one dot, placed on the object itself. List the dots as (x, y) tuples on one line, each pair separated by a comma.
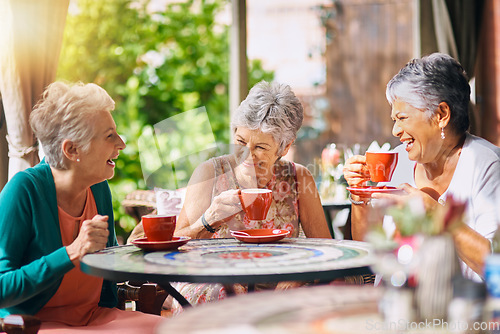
[(151, 246), (261, 235), (367, 191)]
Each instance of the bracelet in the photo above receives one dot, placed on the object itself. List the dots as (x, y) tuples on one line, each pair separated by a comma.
[(359, 202), (206, 225)]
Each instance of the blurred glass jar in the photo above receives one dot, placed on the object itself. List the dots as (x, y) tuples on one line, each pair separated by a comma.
[(491, 313)]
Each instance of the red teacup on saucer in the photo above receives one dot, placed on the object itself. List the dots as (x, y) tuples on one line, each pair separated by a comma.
[(151, 246)]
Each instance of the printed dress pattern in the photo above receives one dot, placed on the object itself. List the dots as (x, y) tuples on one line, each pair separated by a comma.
[(284, 211), (283, 214)]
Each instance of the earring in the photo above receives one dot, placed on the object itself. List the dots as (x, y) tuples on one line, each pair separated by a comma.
[(77, 159), (442, 134)]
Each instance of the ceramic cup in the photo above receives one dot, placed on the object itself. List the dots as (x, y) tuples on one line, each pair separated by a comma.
[(381, 165), (159, 227), (256, 202)]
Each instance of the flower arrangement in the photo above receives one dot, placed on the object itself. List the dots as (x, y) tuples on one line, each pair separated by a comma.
[(420, 256), (413, 218), (413, 225)]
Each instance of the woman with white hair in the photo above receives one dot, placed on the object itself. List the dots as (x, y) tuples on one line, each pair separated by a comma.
[(58, 211), (430, 99), (264, 128)]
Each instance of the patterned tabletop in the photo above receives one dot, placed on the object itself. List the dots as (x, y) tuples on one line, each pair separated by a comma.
[(319, 309), (231, 261)]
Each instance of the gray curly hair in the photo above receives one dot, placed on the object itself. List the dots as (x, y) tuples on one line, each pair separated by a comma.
[(424, 83), (271, 108)]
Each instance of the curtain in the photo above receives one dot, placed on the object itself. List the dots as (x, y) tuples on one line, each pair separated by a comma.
[(31, 33), (452, 27)]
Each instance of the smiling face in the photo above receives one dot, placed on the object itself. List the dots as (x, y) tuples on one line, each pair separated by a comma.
[(420, 134), (98, 162), (256, 152)]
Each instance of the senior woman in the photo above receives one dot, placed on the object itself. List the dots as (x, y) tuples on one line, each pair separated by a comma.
[(439, 158), (264, 126), (58, 211)]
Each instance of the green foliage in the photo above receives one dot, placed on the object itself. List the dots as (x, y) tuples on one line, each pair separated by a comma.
[(155, 65)]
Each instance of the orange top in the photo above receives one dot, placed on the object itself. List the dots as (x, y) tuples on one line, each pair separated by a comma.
[(78, 295)]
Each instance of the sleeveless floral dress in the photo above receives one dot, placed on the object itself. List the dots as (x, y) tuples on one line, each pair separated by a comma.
[(283, 214), (284, 211)]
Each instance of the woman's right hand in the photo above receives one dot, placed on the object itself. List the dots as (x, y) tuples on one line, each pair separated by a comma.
[(224, 206), (92, 236), (356, 171)]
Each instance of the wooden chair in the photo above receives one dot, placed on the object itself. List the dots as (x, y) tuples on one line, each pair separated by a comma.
[(148, 298), (139, 203), (17, 324)]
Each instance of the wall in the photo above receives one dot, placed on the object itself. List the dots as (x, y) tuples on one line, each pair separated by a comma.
[(370, 41), (488, 74)]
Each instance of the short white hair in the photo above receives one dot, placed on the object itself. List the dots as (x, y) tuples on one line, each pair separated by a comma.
[(65, 112), (271, 108)]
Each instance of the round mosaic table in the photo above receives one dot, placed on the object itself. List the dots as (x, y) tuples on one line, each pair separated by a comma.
[(231, 261), (324, 309)]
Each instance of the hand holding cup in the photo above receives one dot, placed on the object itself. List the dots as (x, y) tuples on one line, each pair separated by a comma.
[(355, 171), (224, 206)]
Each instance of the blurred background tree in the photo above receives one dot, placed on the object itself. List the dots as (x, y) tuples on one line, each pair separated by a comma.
[(155, 62)]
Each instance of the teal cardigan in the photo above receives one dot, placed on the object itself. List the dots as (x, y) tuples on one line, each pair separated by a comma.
[(33, 260)]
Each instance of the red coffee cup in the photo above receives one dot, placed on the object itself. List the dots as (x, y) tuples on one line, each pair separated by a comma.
[(256, 202), (381, 165), (159, 227)]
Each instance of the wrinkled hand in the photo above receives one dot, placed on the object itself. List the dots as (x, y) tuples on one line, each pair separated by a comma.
[(92, 237), (224, 206), (356, 171), (409, 192)]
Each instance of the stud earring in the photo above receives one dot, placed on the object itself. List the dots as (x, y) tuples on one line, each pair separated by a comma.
[(442, 134), (77, 159)]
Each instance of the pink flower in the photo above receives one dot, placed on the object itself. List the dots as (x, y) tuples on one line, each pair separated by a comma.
[(330, 155)]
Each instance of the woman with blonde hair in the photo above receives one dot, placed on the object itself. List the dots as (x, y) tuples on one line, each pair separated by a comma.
[(58, 211)]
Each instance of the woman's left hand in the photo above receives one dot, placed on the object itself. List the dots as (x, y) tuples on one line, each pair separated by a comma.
[(409, 191)]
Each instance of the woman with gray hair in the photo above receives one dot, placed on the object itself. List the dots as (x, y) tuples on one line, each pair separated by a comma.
[(58, 211), (264, 126), (439, 158)]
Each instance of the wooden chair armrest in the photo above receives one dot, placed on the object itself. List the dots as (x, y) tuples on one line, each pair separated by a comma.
[(139, 203), (20, 323), (148, 297)]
